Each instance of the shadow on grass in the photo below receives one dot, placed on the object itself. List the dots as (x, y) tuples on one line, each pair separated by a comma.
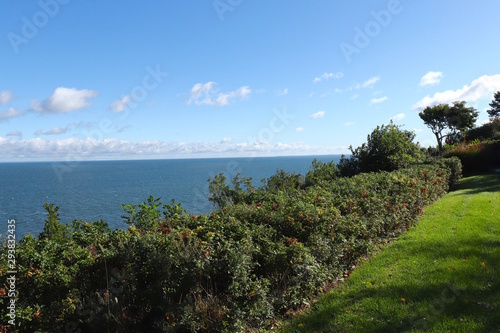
[(458, 294), (480, 183), (425, 309)]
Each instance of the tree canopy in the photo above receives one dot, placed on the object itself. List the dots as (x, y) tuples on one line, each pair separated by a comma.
[(449, 122), (494, 112)]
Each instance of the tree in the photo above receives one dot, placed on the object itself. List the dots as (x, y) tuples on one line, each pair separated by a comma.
[(487, 131), (494, 112), (387, 148), (456, 119)]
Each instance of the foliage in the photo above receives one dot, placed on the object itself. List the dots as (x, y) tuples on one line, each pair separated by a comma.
[(348, 166), (476, 157), (222, 195), (144, 216), (455, 166), (265, 253), (455, 119), (487, 131), (441, 276), (387, 148), (52, 229), (284, 181), (494, 112), (321, 173)]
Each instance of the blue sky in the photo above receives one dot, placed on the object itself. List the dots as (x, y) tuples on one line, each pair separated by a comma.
[(86, 80)]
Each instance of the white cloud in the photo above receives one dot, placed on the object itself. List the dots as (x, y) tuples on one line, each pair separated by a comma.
[(121, 104), (15, 133), (63, 130), (64, 100), (5, 96), (431, 78), (226, 140), (417, 130), (299, 129), (368, 83), (349, 123), (86, 149), (200, 89), (378, 100), (318, 114), (328, 76), (483, 86), (204, 93), (399, 116), (59, 130), (282, 92), (11, 113)]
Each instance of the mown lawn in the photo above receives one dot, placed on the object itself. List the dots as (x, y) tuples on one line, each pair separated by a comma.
[(441, 276)]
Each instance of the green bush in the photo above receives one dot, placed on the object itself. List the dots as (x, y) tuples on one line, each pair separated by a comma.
[(387, 148), (264, 253), (455, 165), (320, 173)]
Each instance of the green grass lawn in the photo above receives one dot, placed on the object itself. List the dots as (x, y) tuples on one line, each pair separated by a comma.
[(441, 276)]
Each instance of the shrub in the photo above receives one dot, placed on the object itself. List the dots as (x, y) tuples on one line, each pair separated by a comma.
[(348, 166), (321, 173), (266, 252), (455, 165), (387, 148), (222, 195), (476, 157)]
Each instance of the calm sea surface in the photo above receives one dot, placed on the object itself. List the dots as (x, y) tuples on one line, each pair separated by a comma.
[(95, 190)]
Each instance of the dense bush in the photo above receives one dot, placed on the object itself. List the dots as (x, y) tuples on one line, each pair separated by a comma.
[(476, 157), (455, 166), (387, 148), (264, 253)]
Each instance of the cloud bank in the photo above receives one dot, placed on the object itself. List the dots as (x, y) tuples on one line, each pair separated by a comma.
[(75, 149)]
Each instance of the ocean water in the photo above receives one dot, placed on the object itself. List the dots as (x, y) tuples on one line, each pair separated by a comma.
[(95, 190)]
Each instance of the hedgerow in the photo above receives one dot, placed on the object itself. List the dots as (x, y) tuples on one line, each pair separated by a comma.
[(264, 253), (476, 157)]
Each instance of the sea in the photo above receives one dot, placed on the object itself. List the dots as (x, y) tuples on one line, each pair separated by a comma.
[(94, 190)]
